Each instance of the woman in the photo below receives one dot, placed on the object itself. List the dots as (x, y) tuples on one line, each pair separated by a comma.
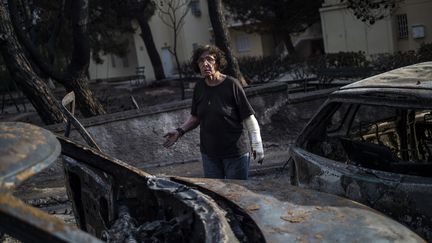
[(220, 107)]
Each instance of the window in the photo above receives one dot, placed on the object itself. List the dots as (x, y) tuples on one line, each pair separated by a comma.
[(243, 43), (195, 8), (402, 24)]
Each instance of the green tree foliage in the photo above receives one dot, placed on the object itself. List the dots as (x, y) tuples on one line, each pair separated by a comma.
[(424, 53), (108, 29), (278, 17), (28, 18), (47, 24), (371, 10)]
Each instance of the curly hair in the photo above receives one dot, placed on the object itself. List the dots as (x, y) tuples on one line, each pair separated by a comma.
[(212, 50)]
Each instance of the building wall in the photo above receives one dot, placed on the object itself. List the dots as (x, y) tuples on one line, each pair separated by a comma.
[(268, 45), (196, 31), (245, 44), (419, 12), (343, 32), (114, 66)]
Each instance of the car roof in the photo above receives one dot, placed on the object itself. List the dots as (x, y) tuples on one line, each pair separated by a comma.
[(417, 76)]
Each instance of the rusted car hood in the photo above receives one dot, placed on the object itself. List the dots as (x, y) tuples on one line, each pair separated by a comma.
[(286, 213)]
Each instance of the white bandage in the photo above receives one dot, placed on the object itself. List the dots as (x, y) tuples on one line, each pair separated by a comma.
[(255, 136)]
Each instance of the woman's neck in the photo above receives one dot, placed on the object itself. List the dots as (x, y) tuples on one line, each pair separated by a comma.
[(215, 79)]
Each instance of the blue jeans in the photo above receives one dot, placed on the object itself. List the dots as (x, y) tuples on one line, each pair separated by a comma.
[(230, 168)]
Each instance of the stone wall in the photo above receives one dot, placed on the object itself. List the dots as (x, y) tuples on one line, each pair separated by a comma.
[(136, 136)]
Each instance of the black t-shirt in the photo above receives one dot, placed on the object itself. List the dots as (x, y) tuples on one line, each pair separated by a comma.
[(221, 110)]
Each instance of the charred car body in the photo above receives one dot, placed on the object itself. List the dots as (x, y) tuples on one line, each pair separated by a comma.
[(372, 142), (116, 202)]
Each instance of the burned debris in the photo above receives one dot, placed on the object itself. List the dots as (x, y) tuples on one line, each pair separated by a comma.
[(126, 229), (117, 202)]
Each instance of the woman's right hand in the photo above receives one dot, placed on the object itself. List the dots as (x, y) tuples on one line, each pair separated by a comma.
[(171, 137)]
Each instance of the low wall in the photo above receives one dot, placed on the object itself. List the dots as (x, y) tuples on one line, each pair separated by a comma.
[(136, 136)]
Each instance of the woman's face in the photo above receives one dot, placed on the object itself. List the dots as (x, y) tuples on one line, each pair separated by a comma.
[(207, 64)]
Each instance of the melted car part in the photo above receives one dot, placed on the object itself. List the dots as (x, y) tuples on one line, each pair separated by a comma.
[(243, 226), (29, 224), (126, 229), (68, 109), (384, 138), (102, 188), (26, 149), (285, 213)]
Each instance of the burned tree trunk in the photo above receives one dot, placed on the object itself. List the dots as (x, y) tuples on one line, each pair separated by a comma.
[(20, 69), (289, 45), (147, 38), (142, 11), (75, 79), (222, 38)]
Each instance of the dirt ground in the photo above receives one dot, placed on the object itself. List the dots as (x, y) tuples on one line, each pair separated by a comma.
[(115, 97)]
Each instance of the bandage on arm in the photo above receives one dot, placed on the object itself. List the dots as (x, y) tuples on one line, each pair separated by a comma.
[(255, 136)]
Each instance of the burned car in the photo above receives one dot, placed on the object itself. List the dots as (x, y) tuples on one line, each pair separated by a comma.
[(24, 151), (116, 202), (372, 142)]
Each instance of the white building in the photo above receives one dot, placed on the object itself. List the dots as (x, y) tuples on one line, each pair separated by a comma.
[(196, 30), (405, 29)]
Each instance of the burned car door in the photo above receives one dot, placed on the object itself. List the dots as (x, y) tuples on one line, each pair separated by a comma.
[(379, 155)]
